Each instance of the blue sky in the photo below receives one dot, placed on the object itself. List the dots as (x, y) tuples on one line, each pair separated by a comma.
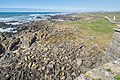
[(91, 5)]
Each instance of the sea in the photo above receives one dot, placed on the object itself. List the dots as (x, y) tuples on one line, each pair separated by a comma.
[(16, 18), (23, 16)]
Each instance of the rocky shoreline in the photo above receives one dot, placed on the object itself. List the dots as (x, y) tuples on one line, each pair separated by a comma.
[(14, 25), (41, 50)]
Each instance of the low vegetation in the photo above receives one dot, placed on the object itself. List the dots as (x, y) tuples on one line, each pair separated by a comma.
[(109, 70), (95, 31), (117, 77)]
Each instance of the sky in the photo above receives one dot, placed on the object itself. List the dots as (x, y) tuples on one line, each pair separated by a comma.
[(82, 5)]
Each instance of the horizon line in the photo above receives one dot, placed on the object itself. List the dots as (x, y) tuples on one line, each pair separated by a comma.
[(55, 10)]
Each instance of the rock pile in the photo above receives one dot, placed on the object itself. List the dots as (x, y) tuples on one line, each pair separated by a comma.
[(4, 25), (29, 54), (65, 18)]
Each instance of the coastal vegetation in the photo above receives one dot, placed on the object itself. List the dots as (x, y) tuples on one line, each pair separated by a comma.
[(99, 29), (117, 77)]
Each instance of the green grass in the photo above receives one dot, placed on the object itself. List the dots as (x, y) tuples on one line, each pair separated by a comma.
[(100, 25), (99, 28), (109, 70), (117, 14), (117, 77)]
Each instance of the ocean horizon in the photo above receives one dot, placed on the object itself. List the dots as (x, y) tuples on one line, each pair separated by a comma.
[(24, 16), (16, 18)]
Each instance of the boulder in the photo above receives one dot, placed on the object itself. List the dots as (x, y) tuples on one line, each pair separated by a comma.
[(25, 43), (14, 44), (33, 39)]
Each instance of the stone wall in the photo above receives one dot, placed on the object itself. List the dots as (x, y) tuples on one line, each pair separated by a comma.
[(113, 51)]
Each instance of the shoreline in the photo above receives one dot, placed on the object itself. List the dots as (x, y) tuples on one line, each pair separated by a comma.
[(13, 24)]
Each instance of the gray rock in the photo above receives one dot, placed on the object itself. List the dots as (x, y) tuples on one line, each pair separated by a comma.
[(2, 49), (14, 45), (33, 39), (107, 71), (113, 52)]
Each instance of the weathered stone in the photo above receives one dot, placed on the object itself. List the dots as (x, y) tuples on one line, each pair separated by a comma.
[(25, 44), (113, 49), (107, 71), (88, 63), (2, 49), (33, 39), (14, 44), (79, 62)]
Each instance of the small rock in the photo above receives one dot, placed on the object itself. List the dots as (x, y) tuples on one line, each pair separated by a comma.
[(79, 62)]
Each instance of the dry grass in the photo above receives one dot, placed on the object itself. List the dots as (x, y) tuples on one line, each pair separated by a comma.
[(97, 31)]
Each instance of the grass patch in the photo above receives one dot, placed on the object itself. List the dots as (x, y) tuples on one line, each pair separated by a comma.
[(117, 77), (116, 14), (99, 28), (109, 70), (60, 38), (99, 25)]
